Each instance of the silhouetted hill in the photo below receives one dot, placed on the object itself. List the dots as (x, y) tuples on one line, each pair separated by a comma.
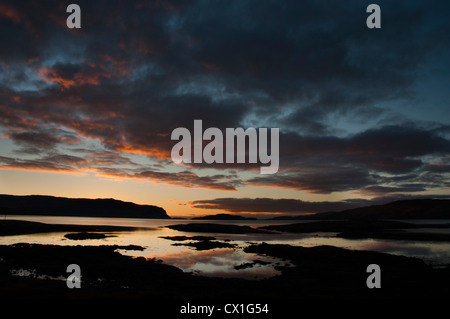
[(402, 209), (61, 206), (224, 217)]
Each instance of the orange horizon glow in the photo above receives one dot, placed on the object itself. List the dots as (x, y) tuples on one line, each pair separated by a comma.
[(89, 183)]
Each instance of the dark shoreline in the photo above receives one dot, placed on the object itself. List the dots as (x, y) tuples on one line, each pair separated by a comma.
[(349, 229), (217, 228), (319, 273), (22, 227), (322, 272), (363, 229)]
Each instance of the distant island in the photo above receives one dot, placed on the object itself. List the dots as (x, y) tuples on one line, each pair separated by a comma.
[(223, 217), (402, 209), (81, 207)]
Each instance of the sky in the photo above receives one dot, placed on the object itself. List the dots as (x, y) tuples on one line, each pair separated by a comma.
[(363, 114)]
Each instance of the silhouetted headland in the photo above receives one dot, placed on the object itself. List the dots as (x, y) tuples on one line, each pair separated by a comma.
[(61, 206), (402, 209), (216, 228), (363, 228)]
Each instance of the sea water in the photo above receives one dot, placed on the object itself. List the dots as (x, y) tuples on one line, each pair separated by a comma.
[(222, 262)]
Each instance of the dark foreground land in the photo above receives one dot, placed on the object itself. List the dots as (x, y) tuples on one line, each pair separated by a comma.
[(321, 275), (322, 272)]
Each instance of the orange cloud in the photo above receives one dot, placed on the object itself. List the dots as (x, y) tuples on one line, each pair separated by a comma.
[(83, 77), (50, 75), (38, 168), (11, 13), (154, 152), (184, 179)]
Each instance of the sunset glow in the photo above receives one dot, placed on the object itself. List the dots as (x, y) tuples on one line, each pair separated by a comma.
[(362, 114)]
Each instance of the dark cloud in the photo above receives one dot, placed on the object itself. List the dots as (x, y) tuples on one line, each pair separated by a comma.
[(192, 180), (35, 164), (320, 181), (392, 149), (183, 179), (115, 166), (271, 205), (38, 139), (137, 70), (293, 206), (388, 158)]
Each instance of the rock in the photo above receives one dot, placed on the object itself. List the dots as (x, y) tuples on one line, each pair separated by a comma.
[(85, 235)]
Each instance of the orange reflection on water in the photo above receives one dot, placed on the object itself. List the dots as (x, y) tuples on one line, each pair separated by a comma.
[(221, 263)]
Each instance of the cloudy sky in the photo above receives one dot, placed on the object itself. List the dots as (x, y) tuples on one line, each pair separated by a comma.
[(363, 113)]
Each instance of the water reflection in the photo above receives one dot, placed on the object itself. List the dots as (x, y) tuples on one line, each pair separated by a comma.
[(223, 262), (433, 253)]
